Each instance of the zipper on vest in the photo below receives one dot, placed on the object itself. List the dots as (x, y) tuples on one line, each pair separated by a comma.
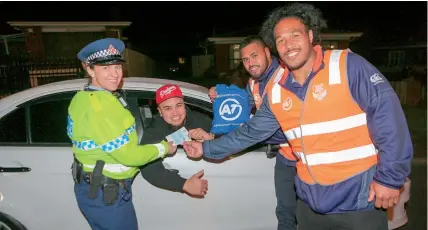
[(302, 136)]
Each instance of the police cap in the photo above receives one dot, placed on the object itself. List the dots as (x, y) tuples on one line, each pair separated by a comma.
[(107, 51)]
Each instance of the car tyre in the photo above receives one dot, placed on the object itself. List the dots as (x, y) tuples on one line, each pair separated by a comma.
[(9, 223)]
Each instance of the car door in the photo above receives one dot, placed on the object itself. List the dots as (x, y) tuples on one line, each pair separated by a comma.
[(35, 156), (241, 193)]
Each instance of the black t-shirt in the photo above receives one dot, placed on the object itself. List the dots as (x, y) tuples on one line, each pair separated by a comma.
[(155, 172)]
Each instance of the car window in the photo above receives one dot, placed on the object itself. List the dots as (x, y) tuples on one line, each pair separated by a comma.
[(13, 127), (48, 121), (148, 108)]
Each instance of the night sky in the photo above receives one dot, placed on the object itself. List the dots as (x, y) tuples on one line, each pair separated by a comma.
[(166, 30)]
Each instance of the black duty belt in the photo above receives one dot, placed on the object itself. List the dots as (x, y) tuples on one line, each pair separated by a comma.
[(104, 180), (109, 186)]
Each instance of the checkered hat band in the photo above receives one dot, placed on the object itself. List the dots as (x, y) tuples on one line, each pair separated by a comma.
[(103, 54)]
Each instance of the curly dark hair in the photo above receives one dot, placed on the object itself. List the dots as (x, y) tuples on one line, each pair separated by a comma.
[(308, 14)]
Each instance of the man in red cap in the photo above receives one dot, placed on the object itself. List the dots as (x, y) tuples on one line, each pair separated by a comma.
[(172, 116)]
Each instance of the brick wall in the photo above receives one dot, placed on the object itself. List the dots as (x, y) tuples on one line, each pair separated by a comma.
[(67, 45), (64, 44), (34, 41), (222, 57)]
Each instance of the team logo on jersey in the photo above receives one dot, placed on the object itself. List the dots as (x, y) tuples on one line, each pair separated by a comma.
[(319, 92), (287, 104), (257, 99)]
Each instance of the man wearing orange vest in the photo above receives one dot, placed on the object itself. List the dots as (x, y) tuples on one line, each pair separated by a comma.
[(263, 67), (340, 116)]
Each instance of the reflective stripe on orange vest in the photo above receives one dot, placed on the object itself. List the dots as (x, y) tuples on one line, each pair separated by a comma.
[(285, 149), (328, 130)]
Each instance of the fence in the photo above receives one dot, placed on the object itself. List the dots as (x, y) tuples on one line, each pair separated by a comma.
[(20, 73), (410, 92)]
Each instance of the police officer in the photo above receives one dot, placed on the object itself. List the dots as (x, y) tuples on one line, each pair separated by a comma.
[(105, 143)]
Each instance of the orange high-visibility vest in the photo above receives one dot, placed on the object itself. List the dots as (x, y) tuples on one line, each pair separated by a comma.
[(328, 130), (285, 149)]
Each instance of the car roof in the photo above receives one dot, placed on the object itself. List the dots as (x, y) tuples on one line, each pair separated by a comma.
[(132, 83)]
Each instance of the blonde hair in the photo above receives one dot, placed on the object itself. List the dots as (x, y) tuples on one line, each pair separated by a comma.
[(84, 66)]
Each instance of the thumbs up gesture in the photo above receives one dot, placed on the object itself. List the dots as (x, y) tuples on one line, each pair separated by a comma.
[(195, 185)]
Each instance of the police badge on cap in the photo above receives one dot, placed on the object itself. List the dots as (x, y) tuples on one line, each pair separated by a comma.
[(107, 51)]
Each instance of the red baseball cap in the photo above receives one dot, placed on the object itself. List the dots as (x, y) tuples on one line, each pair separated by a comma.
[(168, 91)]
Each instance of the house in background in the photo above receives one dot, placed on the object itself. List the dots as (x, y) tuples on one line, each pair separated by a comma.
[(399, 61), (64, 39), (224, 51), (48, 50), (13, 44), (404, 64)]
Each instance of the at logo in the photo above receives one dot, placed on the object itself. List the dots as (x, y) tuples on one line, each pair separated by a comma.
[(230, 109)]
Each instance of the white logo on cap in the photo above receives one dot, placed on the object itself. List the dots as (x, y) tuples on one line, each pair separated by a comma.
[(112, 50), (167, 91), (230, 109)]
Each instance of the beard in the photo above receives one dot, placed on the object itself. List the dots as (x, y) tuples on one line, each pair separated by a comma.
[(296, 64)]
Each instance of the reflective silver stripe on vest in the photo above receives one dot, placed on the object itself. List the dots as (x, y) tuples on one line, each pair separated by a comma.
[(338, 156), (161, 150), (113, 168), (325, 127), (276, 89), (334, 67)]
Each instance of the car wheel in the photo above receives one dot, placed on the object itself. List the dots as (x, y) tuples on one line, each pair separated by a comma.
[(9, 223)]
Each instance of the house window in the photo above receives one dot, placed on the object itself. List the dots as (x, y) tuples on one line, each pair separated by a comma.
[(396, 58), (235, 57), (330, 44)]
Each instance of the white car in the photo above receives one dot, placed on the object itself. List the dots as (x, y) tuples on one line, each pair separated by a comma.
[(36, 186)]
